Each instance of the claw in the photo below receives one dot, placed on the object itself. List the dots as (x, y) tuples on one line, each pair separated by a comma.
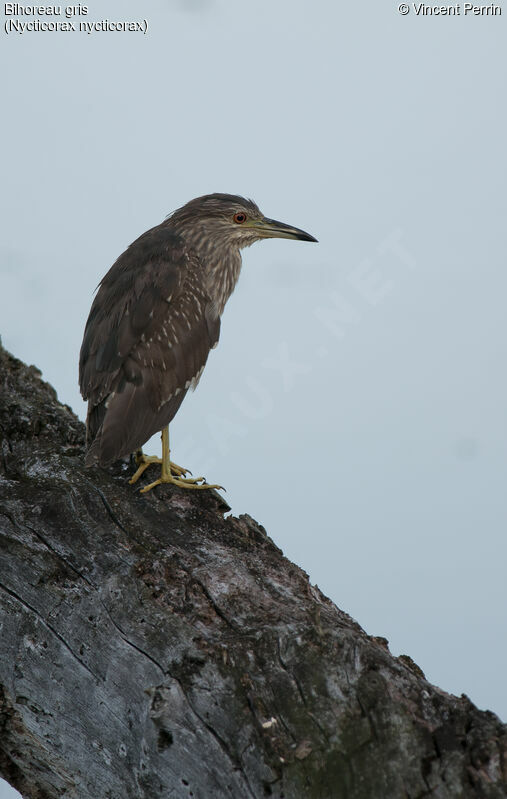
[(181, 483), (143, 461), (171, 472)]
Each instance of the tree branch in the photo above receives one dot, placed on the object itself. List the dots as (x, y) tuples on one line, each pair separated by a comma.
[(153, 648)]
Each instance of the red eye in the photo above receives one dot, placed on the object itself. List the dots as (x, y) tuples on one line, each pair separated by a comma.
[(239, 218)]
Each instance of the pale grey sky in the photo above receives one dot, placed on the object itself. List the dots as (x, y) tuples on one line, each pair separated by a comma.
[(356, 405)]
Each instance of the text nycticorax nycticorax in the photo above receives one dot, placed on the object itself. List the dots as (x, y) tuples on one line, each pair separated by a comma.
[(154, 320)]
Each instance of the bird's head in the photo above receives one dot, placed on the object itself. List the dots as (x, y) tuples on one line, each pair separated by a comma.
[(229, 220)]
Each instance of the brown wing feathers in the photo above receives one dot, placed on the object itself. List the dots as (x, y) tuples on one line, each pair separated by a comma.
[(148, 335)]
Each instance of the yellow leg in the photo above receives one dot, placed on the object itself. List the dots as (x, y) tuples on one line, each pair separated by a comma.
[(170, 472)]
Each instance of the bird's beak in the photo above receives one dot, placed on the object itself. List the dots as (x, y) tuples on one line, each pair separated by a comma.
[(271, 229)]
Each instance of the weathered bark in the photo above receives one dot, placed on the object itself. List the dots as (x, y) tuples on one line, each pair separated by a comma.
[(152, 648)]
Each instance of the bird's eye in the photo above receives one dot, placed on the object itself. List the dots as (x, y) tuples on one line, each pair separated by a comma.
[(239, 218)]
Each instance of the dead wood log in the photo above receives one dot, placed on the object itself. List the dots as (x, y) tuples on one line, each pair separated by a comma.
[(151, 647)]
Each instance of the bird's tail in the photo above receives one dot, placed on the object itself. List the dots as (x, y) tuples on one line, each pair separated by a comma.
[(125, 424)]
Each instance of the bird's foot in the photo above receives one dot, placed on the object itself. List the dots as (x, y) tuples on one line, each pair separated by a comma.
[(182, 482), (143, 461)]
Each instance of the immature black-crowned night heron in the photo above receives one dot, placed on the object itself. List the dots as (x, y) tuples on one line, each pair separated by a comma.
[(154, 320)]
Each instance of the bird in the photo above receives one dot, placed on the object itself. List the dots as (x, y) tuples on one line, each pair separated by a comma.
[(154, 319)]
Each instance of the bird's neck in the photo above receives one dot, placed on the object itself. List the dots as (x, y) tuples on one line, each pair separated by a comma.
[(221, 261), (222, 273)]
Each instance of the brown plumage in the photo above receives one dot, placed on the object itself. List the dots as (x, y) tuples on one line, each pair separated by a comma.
[(156, 316)]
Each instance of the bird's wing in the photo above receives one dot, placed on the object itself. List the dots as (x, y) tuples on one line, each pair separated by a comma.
[(149, 333)]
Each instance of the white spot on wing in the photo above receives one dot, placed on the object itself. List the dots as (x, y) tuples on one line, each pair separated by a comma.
[(108, 400), (195, 380)]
